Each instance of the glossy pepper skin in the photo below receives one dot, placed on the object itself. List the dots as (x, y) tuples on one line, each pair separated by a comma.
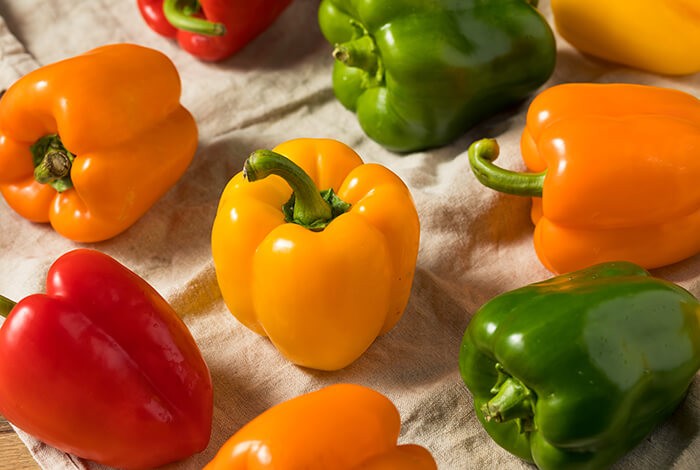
[(102, 367), (342, 426), (574, 371), (105, 134), (420, 73), (211, 30), (659, 37), (614, 174), (322, 292)]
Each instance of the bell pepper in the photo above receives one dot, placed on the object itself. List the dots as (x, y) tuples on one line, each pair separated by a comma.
[(613, 174), (420, 73), (659, 37), (321, 274), (211, 30), (574, 371), (90, 143), (342, 426), (102, 367)]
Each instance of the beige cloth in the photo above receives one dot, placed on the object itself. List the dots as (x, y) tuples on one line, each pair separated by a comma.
[(475, 243)]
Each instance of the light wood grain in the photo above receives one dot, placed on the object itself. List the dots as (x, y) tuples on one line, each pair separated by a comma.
[(13, 453)]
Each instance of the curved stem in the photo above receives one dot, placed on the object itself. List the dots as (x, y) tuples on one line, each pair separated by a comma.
[(360, 53), (6, 306), (311, 209), (482, 152), (179, 14)]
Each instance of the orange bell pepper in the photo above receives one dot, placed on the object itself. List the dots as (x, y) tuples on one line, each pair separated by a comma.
[(90, 143), (322, 277), (342, 426), (614, 174)]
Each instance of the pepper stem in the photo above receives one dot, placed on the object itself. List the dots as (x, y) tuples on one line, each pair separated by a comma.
[(360, 53), (512, 400), (308, 207), (481, 155), (52, 162), (54, 165), (6, 306), (179, 13)]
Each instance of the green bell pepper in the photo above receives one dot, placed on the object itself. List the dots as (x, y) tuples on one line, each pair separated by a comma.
[(419, 73), (574, 371)]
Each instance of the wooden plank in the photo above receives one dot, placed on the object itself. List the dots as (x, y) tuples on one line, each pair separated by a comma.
[(5, 426), (13, 453)]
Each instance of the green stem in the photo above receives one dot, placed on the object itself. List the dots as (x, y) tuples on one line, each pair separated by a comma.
[(179, 13), (307, 207), (481, 155), (360, 53), (52, 162), (6, 306), (512, 400)]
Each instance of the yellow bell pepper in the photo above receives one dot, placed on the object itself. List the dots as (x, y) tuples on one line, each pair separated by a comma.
[(342, 426), (330, 271), (656, 36)]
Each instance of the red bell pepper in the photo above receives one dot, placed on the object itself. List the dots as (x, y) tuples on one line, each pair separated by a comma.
[(102, 367), (211, 30)]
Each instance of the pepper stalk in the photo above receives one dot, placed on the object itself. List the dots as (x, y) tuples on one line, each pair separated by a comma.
[(180, 14), (481, 155), (52, 162), (6, 306), (308, 207), (362, 53), (512, 400)]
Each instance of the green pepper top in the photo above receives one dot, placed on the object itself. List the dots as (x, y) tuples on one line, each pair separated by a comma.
[(419, 73), (574, 371)]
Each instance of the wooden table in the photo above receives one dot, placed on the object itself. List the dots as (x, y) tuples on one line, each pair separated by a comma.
[(13, 453)]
